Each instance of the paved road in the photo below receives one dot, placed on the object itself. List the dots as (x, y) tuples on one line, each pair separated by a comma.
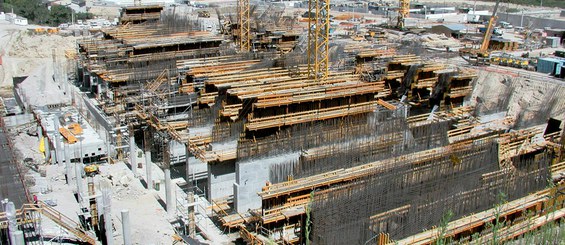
[(11, 186)]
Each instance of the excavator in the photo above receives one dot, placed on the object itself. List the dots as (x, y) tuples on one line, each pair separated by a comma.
[(481, 56)]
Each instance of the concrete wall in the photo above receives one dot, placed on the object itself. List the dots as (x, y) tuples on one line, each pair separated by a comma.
[(535, 22), (221, 177), (251, 176)]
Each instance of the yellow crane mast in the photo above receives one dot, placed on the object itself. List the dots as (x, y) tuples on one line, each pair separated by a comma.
[(318, 39), (243, 10), (403, 13)]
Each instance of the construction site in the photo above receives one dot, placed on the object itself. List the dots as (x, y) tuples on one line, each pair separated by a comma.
[(316, 122)]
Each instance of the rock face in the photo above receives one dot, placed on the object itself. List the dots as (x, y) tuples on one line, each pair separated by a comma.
[(530, 100)]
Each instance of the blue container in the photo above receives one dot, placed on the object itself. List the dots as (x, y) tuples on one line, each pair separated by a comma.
[(548, 65)]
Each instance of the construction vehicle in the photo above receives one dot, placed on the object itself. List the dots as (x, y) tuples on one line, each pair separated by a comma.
[(481, 56), (91, 170), (204, 14), (510, 60)]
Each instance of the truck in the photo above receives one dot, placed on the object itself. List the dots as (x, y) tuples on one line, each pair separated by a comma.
[(496, 31)]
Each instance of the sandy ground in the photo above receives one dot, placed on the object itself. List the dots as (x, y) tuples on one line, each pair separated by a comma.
[(150, 222), (23, 52)]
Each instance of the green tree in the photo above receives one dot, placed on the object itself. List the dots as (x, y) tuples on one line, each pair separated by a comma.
[(60, 14), (83, 16)]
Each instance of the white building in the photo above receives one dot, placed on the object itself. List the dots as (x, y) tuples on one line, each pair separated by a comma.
[(21, 21)]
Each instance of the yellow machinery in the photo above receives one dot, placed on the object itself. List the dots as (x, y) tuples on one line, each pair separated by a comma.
[(204, 14), (91, 170), (403, 12), (481, 56), (495, 60), (509, 60)]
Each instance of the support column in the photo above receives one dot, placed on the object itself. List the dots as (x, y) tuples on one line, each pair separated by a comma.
[(168, 191), (54, 156), (132, 155), (39, 132), (99, 90), (78, 176), (106, 188), (68, 166), (168, 186), (10, 210), (126, 229), (190, 198), (108, 150), (19, 238), (148, 163), (47, 149), (56, 138)]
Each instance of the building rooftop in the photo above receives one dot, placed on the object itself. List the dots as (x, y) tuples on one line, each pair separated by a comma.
[(455, 27)]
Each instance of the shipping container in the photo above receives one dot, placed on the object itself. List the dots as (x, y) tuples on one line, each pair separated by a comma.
[(548, 65), (553, 42)]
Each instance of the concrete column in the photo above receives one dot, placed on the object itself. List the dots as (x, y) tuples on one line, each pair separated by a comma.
[(78, 177), (47, 150), (53, 156), (187, 167), (190, 198), (99, 90), (56, 138), (19, 238), (108, 146), (10, 210), (126, 229), (168, 191), (68, 166), (106, 188), (148, 164), (39, 132), (132, 155)]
